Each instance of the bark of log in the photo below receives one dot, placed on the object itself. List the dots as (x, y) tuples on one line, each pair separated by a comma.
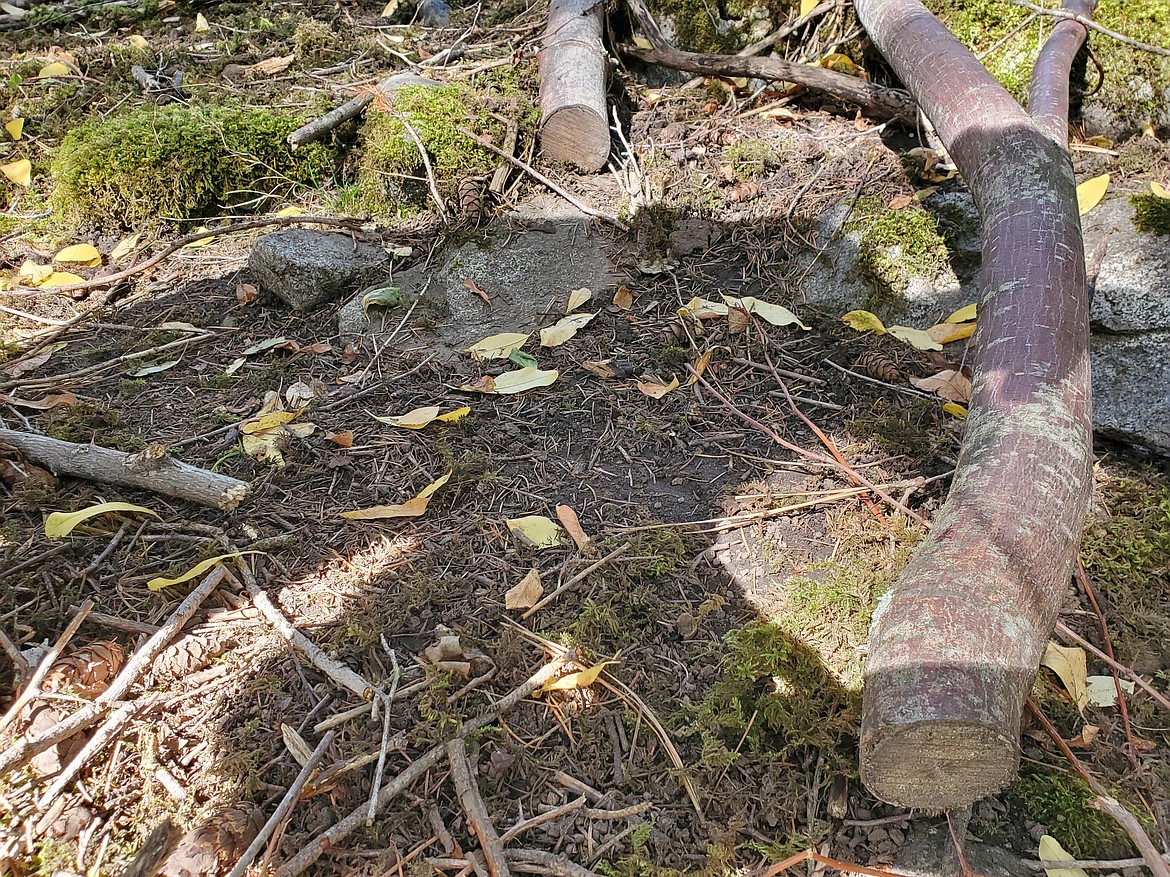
[(321, 126), (877, 100), (164, 474), (574, 122), (955, 646)]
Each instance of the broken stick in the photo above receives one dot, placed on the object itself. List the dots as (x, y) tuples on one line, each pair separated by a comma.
[(463, 778), (318, 128), (574, 123)]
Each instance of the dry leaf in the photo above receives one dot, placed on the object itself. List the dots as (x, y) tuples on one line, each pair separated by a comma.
[(583, 679), (19, 172), (31, 363), (950, 384), (34, 273), (496, 346), (60, 278), (577, 298), (572, 525), (565, 328), (1052, 851), (1159, 190), (1085, 738), (79, 254), (901, 202), (1102, 691), (864, 321), (49, 402), (138, 41), (160, 582), (916, 338), (700, 367), (124, 248), (955, 410), (768, 312), (412, 508), (655, 389), (341, 439), (246, 293), (1069, 665), (58, 525), (702, 309), (54, 70), (201, 25), (536, 531), (807, 6), (623, 298), (14, 128), (748, 190), (526, 593), (512, 382), (963, 315), (270, 67), (1090, 193), (737, 320), (945, 333)]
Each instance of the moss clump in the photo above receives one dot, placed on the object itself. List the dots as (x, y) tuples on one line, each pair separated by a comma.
[(895, 246), (698, 26), (1059, 802), (177, 161), (752, 159), (1151, 213)]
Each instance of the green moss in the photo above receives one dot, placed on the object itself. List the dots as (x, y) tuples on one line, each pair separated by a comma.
[(88, 422), (177, 161), (696, 25), (1151, 213), (752, 159), (895, 246), (1059, 802)]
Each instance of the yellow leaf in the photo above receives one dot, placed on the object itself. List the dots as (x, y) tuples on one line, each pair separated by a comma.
[(655, 389), (34, 273), (526, 593), (536, 531), (496, 346), (962, 315), (456, 415), (807, 6), (82, 254), (412, 508), (517, 381), (125, 247), (1159, 190), (945, 333), (202, 242), (61, 524), (577, 298), (14, 128), (916, 338), (1069, 665), (60, 278), (864, 321), (583, 679), (701, 309), (389, 9), (138, 41), (415, 419), (54, 70), (1052, 851), (770, 313), (642, 43), (950, 384), (157, 584), (955, 410), (19, 172), (840, 63), (290, 211), (269, 421), (201, 25), (565, 328), (1090, 193), (700, 367)]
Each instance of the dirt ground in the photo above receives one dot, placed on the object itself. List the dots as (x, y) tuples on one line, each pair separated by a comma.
[(729, 578)]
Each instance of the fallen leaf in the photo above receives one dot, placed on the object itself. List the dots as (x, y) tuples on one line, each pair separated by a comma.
[(842, 64), (512, 382), (16, 127), (138, 41), (955, 410), (526, 593), (478, 291), (496, 346), (1101, 690), (1085, 738), (1090, 193), (382, 297), (536, 531), (79, 254), (565, 328), (700, 367), (60, 278), (1052, 851), (737, 320), (570, 681), (267, 344), (292, 209), (864, 321), (412, 508), (54, 70), (201, 242), (270, 67), (901, 202), (963, 314), (655, 389), (950, 384), (916, 338), (945, 333), (268, 421), (34, 273), (420, 417), (520, 359), (160, 582), (246, 293), (456, 415), (341, 439), (389, 9), (600, 367), (748, 190), (19, 172), (300, 393), (623, 298), (572, 525), (30, 363), (124, 248), (153, 369), (577, 298), (60, 524), (201, 25), (1159, 190), (48, 402), (1069, 666), (768, 312)]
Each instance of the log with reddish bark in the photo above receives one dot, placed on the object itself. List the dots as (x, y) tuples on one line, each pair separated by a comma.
[(955, 646), (574, 123)]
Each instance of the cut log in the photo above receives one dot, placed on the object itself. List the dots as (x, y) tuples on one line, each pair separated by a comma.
[(574, 122), (156, 473), (319, 127), (955, 646), (877, 100)]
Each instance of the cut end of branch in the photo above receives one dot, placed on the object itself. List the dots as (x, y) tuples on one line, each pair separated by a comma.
[(576, 135)]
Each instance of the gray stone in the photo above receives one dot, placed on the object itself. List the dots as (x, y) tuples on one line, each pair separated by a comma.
[(306, 268), (694, 236), (1133, 286), (930, 852), (527, 268), (1131, 387)]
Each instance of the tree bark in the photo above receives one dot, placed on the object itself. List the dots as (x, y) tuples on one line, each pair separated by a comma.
[(954, 647), (574, 122)]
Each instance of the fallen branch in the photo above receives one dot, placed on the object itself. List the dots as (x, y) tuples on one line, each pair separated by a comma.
[(574, 124), (312, 851), (164, 474), (1092, 25), (319, 127), (463, 778), (24, 749), (874, 99)]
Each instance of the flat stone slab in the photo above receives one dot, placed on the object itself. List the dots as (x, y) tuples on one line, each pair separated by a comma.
[(1133, 286), (1131, 388), (306, 268)]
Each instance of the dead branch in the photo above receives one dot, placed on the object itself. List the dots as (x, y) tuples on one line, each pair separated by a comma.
[(164, 474), (1092, 25), (463, 778), (874, 99), (318, 128), (19, 753), (574, 124), (541, 818)]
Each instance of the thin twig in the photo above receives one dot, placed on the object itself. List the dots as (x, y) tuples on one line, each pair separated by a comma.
[(593, 567), (422, 151), (541, 178), (470, 799), (541, 818), (387, 700), (19, 664), (71, 377), (814, 856), (1092, 25), (1141, 683)]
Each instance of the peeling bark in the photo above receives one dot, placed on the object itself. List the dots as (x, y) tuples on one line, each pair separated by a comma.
[(955, 646)]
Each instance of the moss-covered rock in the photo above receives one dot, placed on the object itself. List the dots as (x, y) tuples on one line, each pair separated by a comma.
[(895, 246), (177, 161), (1151, 213)]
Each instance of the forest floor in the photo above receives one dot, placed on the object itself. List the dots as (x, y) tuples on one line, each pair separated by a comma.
[(730, 570)]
